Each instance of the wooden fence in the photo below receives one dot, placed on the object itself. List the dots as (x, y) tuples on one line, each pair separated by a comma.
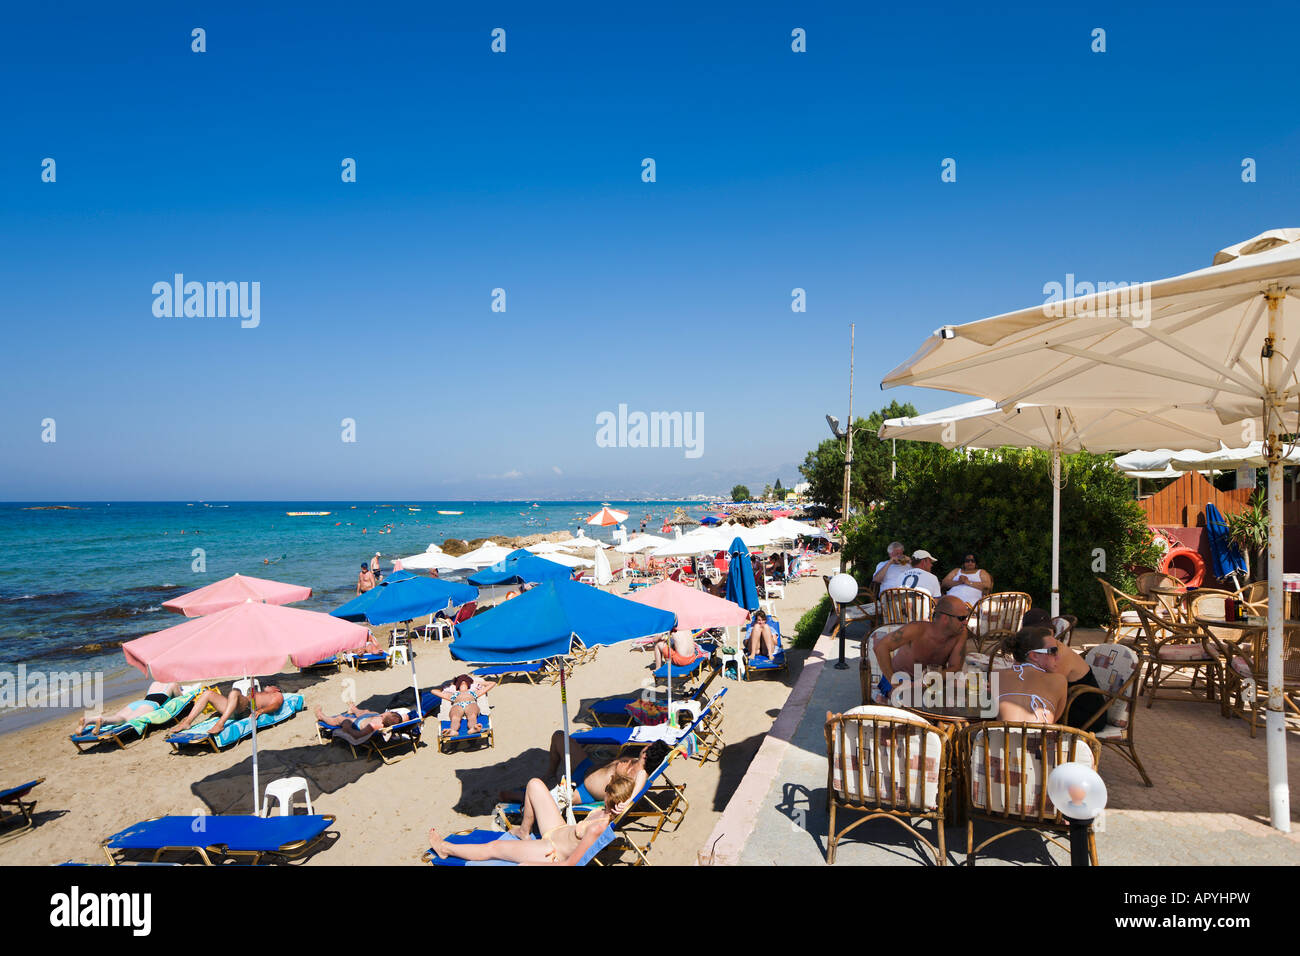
[(1181, 504)]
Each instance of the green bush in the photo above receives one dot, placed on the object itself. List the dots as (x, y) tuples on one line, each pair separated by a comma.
[(812, 624), (999, 505)]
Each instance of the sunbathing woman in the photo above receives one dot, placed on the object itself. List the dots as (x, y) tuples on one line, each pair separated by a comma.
[(1029, 691), (561, 844), (158, 695), (591, 782), (268, 700), (761, 638), (464, 702)]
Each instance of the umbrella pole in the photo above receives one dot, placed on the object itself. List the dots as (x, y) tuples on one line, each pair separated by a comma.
[(415, 682), (1056, 519), (1275, 724), (252, 701), (568, 764)]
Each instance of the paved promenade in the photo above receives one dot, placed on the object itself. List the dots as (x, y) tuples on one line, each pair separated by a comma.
[(1208, 805)]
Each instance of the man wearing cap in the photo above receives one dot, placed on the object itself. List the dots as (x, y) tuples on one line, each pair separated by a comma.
[(919, 576)]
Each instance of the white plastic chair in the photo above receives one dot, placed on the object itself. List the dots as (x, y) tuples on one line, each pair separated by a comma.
[(284, 790)]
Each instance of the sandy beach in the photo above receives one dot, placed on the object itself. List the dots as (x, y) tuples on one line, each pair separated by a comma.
[(383, 811)]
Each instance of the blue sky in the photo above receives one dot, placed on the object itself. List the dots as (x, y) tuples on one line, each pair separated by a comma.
[(522, 171)]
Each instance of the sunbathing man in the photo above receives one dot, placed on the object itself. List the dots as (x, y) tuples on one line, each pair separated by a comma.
[(761, 638), (561, 844), (684, 651), (268, 700), (359, 722), (158, 695), (940, 643), (464, 702)]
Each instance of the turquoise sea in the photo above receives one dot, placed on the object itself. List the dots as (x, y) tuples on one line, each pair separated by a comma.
[(77, 583)]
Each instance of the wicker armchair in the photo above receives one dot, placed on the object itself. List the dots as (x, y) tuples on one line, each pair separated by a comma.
[(868, 667), (1169, 646), (1118, 671), (1007, 766), (1124, 624), (995, 617), (1063, 628), (901, 605), (885, 762), (1245, 676)]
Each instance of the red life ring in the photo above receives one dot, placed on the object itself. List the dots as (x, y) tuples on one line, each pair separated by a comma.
[(1186, 564), (511, 594)]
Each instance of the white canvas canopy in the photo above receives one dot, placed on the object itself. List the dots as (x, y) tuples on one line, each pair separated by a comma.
[(1226, 336), (486, 555), (640, 542), (430, 560), (983, 424), (603, 573)]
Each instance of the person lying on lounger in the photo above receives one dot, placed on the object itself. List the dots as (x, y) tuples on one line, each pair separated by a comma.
[(561, 844), (591, 783), (464, 702), (268, 700), (359, 722), (158, 695), (684, 651)]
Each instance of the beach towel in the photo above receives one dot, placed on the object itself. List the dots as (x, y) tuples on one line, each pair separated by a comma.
[(237, 730), (161, 715)]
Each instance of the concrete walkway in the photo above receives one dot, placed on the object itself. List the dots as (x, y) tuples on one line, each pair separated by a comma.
[(1208, 806)]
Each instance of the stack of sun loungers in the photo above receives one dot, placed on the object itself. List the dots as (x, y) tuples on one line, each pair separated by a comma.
[(200, 734)]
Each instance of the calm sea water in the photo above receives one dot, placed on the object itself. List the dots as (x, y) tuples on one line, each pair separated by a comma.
[(75, 584)]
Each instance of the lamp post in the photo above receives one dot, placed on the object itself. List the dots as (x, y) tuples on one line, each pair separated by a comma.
[(1079, 794), (847, 435), (843, 588)]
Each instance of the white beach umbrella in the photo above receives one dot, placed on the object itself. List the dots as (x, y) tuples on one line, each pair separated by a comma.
[(544, 547), (699, 541), (433, 560), (1229, 459), (1226, 336), (640, 542), (582, 541), (570, 560), (603, 573), (486, 555), (983, 424)]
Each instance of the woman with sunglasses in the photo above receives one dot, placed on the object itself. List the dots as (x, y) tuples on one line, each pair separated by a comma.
[(969, 582), (1030, 691), (1076, 672)]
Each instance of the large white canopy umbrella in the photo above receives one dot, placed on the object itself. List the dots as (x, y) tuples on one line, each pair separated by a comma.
[(1229, 459), (433, 560), (699, 541), (1224, 336), (640, 542), (1149, 464), (485, 555), (983, 424)]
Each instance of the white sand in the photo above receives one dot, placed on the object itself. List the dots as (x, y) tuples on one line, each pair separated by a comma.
[(384, 811)]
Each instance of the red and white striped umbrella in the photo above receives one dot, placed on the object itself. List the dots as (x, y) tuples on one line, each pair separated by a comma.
[(607, 516)]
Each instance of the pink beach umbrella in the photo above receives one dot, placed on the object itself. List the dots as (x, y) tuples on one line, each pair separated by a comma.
[(695, 609), (607, 516), (248, 640), (233, 590)]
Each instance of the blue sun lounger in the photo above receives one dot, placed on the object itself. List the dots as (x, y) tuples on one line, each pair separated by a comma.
[(666, 802), (704, 726), (531, 672), (138, 727), (613, 711), (463, 732), (492, 836), (235, 730), (244, 836), (14, 797), (758, 664), (683, 674), (375, 742)]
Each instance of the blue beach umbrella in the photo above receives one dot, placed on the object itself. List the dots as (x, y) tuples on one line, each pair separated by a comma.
[(520, 567), (405, 600), (541, 623), (740, 577)]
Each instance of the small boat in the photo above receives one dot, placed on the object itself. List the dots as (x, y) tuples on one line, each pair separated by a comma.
[(412, 509), (304, 514), (450, 512)]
